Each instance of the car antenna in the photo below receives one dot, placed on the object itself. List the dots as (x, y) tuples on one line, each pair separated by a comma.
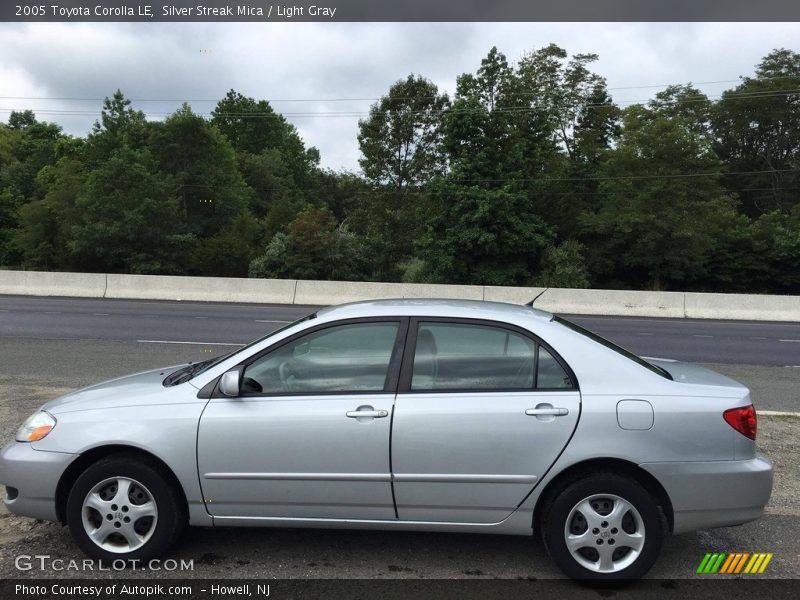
[(537, 297)]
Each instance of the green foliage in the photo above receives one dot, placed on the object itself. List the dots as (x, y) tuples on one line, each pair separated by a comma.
[(757, 125), (659, 230), (563, 266), (314, 247), (480, 236), (128, 219), (202, 164), (401, 141), (45, 231)]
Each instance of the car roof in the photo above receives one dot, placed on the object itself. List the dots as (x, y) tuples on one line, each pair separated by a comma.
[(434, 307)]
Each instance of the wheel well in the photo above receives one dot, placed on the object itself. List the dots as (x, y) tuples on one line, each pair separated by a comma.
[(80, 464), (616, 465)]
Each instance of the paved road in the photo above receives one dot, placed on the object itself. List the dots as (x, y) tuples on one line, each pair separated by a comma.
[(725, 342)]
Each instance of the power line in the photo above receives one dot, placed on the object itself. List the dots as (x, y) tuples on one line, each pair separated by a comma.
[(450, 110), (374, 98)]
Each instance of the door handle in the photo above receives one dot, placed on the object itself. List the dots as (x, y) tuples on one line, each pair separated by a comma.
[(547, 412), (367, 414)]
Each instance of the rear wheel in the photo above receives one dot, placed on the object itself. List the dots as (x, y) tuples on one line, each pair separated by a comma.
[(124, 507), (603, 528)]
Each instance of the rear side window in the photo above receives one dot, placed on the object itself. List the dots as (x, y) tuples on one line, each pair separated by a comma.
[(550, 375), (462, 356)]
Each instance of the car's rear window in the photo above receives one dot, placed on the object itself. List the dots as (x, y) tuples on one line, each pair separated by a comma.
[(612, 346)]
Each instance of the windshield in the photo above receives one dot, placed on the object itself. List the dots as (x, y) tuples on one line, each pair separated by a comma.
[(192, 370), (612, 346)]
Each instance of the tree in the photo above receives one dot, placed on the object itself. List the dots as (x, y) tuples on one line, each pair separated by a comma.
[(662, 202), (272, 157), (45, 224), (401, 148), (314, 247), (202, 164), (757, 125), (563, 266), (401, 141), (229, 253), (128, 219), (480, 237), (480, 131), (119, 126)]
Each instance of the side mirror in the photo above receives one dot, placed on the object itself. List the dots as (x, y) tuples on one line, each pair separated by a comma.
[(229, 383)]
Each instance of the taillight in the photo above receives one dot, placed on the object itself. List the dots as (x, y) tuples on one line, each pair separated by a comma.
[(742, 420)]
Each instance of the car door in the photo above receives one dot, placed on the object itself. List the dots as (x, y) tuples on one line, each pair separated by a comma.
[(483, 411), (309, 435)]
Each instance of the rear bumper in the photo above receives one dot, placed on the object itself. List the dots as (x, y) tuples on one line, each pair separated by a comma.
[(714, 494), (31, 477)]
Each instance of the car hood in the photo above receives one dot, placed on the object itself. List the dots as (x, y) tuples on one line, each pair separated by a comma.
[(140, 388), (695, 374)]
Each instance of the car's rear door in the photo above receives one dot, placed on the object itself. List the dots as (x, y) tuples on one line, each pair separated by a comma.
[(482, 412), (309, 435)]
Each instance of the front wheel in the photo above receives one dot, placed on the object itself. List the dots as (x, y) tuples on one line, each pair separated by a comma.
[(603, 528), (123, 507)]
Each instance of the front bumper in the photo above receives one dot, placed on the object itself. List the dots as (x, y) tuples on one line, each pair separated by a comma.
[(31, 477), (714, 494)]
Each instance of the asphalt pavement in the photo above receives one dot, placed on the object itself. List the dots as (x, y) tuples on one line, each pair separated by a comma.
[(149, 322)]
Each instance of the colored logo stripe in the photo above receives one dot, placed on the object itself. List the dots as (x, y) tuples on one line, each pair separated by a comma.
[(734, 563), (711, 562)]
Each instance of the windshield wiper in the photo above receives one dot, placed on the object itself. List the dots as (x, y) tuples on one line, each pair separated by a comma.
[(184, 374)]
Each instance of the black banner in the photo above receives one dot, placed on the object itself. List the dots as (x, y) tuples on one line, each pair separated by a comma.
[(714, 587), (401, 10)]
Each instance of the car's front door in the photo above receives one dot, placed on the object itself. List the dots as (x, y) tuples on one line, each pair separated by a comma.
[(309, 435), (482, 413)]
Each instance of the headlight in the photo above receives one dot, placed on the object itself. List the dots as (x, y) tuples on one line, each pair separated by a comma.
[(36, 427)]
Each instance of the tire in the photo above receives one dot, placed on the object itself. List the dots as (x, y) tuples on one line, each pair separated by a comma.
[(111, 525), (603, 528)]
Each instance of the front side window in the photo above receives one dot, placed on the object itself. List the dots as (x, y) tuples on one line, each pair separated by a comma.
[(344, 358), (460, 356)]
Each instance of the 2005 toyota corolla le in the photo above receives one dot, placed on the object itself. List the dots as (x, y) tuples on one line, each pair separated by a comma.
[(407, 414)]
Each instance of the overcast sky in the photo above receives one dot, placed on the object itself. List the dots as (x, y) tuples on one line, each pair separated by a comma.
[(199, 62)]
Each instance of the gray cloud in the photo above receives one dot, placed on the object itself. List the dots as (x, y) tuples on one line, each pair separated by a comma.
[(200, 62)]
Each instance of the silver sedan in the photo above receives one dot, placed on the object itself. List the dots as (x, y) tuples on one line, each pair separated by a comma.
[(406, 414)]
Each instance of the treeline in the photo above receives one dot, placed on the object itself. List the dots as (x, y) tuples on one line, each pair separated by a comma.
[(531, 174)]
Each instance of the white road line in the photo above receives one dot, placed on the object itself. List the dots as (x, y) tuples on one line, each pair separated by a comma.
[(776, 413), (263, 321), (792, 367), (792, 341), (188, 343)]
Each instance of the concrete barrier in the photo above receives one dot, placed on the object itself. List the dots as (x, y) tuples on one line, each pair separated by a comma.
[(324, 293), (43, 283), (612, 302), (742, 307), (204, 289), (512, 295)]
